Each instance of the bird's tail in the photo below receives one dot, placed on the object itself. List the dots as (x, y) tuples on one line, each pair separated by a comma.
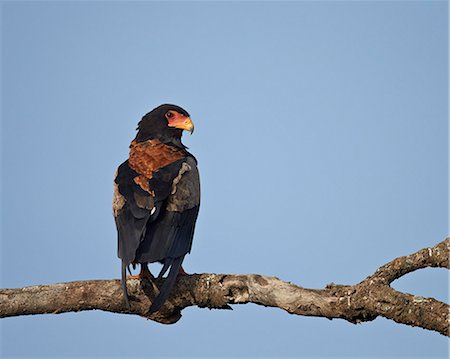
[(124, 285), (166, 288)]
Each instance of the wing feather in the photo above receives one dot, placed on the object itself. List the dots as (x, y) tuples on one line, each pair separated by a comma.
[(140, 207)]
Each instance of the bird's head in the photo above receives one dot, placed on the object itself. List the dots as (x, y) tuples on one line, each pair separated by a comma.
[(165, 122)]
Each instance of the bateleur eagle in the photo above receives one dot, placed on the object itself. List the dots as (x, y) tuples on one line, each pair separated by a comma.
[(156, 198)]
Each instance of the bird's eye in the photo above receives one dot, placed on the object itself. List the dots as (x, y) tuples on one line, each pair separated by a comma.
[(169, 114)]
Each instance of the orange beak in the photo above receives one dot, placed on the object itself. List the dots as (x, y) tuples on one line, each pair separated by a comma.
[(182, 122)]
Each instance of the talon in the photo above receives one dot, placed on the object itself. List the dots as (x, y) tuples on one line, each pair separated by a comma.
[(144, 273), (138, 276), (182, 272)]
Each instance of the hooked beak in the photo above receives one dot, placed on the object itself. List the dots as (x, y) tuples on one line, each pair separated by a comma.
[(183, 123)]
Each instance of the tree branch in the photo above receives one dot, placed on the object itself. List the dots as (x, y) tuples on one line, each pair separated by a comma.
[(361, 302)]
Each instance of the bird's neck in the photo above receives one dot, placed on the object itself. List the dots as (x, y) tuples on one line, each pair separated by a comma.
[(168, 138)]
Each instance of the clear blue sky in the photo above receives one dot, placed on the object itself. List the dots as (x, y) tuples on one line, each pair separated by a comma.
[(321, 135)]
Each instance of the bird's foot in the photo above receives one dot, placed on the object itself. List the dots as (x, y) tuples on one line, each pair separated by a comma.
[(143, 274), (182, 272), (137, 276)]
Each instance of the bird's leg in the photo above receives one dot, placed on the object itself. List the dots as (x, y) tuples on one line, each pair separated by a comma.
[(144, 273)]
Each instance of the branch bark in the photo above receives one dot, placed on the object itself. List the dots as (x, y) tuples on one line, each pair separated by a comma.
[(357, 303)]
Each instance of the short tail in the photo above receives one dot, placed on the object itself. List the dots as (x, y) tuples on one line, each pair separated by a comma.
[(168, 283), (124, 285)]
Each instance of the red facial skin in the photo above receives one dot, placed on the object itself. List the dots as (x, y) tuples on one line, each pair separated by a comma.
[(178, 120)]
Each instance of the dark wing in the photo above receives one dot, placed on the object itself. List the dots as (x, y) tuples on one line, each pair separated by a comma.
[(170, 235), (134, 208), (169, 238)]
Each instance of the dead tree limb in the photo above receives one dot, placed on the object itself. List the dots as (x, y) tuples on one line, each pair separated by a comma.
[(357, 303)]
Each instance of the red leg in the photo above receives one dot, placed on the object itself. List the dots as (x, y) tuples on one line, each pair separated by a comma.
[(181, 271), (144, 273)]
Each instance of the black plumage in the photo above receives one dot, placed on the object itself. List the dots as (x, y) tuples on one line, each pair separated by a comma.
[(157, 197)]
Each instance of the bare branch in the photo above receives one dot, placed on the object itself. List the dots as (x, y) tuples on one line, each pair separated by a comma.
[(436, 256), (358, 303)]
